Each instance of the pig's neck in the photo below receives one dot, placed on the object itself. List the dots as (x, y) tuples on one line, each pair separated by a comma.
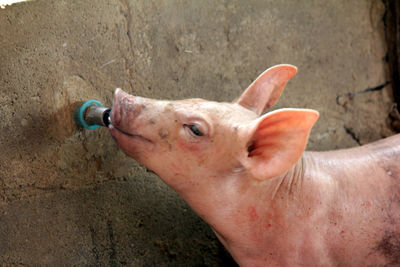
[(278, 217), (239, 208)]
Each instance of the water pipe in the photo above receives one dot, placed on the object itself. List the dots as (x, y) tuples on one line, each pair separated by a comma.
[(91, 115)]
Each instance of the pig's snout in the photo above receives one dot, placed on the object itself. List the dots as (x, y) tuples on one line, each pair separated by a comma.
[(115, 112), (124, 109)]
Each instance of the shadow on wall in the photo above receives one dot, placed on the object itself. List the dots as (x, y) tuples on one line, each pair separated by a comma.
[(108, 225)]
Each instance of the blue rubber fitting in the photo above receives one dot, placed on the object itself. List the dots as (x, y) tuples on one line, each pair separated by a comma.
[(80, 119)]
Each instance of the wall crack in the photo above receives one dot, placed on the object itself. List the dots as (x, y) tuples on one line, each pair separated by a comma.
[(339, 98), (352, 135)]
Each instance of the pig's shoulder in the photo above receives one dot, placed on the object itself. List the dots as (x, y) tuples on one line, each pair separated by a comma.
[(387, 153), (389, 145)]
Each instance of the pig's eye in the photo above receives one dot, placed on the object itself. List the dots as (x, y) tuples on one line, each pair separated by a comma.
[(195, 130)]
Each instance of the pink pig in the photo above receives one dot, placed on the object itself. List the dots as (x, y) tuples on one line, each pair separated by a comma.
[(247, 175)]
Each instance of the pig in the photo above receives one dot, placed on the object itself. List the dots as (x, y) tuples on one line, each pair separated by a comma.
[(245, 172)]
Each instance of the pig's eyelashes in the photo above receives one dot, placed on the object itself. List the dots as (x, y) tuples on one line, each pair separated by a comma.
[(194, 129)]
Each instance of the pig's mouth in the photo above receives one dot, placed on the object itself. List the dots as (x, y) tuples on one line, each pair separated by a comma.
[(131, 135)]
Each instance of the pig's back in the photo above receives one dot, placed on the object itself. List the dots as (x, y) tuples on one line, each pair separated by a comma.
[(366, 201)]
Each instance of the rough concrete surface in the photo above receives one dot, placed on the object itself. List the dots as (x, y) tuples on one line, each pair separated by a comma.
[(72, 198)]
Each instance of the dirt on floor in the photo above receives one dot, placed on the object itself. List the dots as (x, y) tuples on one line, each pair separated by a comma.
[(71, 197)]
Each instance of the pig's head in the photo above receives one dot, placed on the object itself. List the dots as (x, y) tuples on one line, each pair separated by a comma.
[(191, 142)]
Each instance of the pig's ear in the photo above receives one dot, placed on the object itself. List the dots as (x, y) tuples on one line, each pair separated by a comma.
[(276, 141), (267, 88)]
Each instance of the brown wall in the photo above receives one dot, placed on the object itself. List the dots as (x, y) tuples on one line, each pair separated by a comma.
[(70, 197)]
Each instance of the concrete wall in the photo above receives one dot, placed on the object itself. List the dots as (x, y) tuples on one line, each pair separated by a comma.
[(70, 197)]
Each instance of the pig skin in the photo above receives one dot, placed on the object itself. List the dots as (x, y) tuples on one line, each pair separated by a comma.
[(246, 175)]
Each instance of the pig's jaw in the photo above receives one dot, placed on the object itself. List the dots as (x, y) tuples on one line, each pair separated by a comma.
[(250, 202), (115, 131), (133, 145)]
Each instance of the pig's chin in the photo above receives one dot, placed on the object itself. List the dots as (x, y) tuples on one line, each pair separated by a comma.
[(127, 140)]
